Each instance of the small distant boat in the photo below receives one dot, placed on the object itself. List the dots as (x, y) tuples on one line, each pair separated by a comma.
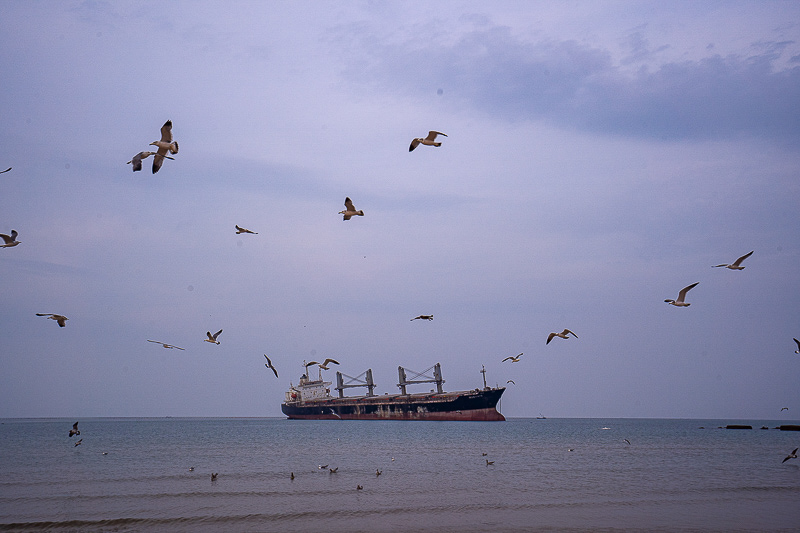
[(541, 417)]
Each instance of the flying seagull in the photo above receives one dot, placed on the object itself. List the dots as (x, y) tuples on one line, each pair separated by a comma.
[(429, 140), (378, 472), (10, 240), (512, 358), (165, 345), (244, 230), (792, 455), (784, 408), (212, 338), (350, 210), (136, 160), (74, 430), (422, 317), (488, 462), (679, 302), (61, 319), (165, 144), (268, 364), (798, 345), (6, 170), (564, 335), (511, 381), (79, 442), (324, 365), (736, 264)]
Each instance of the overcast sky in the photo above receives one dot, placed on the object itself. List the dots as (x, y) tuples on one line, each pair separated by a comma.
[(599, 157)]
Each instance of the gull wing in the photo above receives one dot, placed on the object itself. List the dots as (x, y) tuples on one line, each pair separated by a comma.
[(566, 332), (329, 360), (683, 292), (166, 132), (136, 161), (550, 337), (158, 159), (348, 203), (432, 135), (414, 144), (745, 256), (216, 335), (798, 343), (8, 240)]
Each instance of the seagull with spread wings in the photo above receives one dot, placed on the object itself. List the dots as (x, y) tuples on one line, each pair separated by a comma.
[(74, 430), (61, 319), (244, 230), (512, 358), (165, 345), (430, 140), (136, 160), (350, 210), (563, 335), (269, 365), (212, 338), (164, 145), (682, 296), (736, 265), (422, 317), (9, 240)]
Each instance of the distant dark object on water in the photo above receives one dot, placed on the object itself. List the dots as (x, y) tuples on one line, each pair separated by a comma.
[(737, 426), (789, 427)]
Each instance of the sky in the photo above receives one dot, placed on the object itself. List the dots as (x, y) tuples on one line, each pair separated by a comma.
[(599, 157)]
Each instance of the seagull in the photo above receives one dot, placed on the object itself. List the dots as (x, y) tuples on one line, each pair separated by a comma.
[(798, 345), (191, 469), (324, 365), (322, 467), (513, 358), (429, 140), (61, 319), (350, 210), (244, 230), (784, 408), (626, 440), (333, 470), (291, 475), (334, 413), (736, 264), (166, 143), (511, 381), (268, 364), (378, 472), (212, 338), (136, 160), (80, 441), (359, 487), (488, 462), (564, 335), (422, 317), (10, 240), (792, 455), (165, 345), (214, 476), (74, 430), (6, 170), (679, 302)]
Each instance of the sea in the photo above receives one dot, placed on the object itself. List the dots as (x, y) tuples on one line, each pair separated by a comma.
[(525, 474)]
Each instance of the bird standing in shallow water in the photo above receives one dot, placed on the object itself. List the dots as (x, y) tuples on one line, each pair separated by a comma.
[(165, 144), (564, 335), (61, 319), (736, 264), (9, 240), (430, 140), (350, 210), (681, 296), (212, 338)]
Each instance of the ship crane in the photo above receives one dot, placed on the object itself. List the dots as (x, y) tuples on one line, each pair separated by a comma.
[(437, 378)]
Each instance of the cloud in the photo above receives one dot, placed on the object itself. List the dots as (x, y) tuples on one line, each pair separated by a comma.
[(576, 85)]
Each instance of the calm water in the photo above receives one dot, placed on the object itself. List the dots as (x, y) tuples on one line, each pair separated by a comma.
[(673, 476)]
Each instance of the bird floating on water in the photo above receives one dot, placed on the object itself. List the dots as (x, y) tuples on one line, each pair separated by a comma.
[(681, 296), (74, 430), (212, 338), (378, 472), (564, 335), (214, 476), (422, 317), (792, 455), (430, 140), (291, 475), (165, 345), (350, 210), (244, 230), (9, 240), (61, 319), (136, 160), (269, 365), (165, 144), (736, 264), (514, 359)]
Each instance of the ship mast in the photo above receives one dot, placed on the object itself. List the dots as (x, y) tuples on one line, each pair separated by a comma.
[(483, 371)]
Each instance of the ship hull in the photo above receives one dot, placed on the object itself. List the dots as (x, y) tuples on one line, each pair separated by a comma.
[(475, 405)]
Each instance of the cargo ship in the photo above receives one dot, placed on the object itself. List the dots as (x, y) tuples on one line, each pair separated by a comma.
[(312, 400)]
